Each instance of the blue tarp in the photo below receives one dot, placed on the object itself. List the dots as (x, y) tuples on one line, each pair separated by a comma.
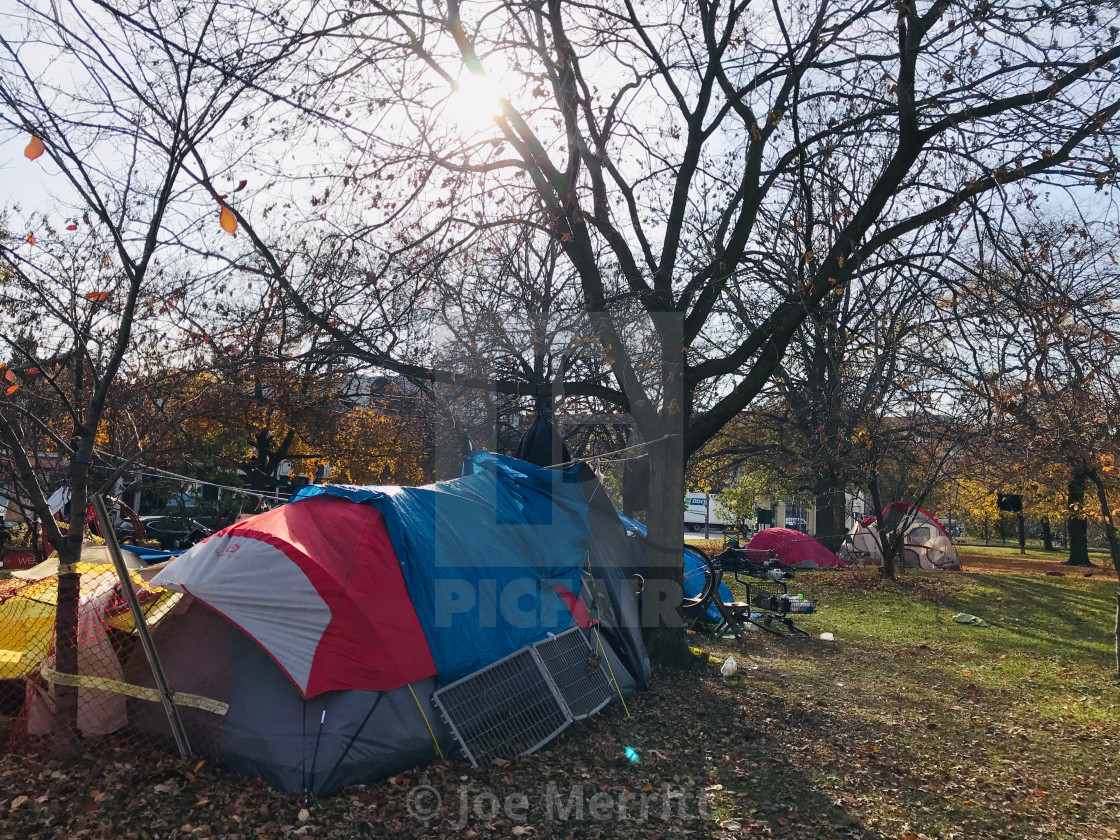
[(151, 556), (693, 567), (481, 555)]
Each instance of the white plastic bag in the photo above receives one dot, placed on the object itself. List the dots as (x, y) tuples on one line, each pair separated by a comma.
[(730, 666)]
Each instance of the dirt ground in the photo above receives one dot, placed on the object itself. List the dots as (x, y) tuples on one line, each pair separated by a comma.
[(1013, 562)]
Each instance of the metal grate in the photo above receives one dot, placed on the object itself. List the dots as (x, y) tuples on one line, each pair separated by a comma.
[(509, 708), (577, 670)]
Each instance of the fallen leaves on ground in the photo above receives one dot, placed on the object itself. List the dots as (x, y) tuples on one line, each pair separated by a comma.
[(853, 740)]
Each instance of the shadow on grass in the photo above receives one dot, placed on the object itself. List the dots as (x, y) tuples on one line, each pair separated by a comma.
[(1051, 618)]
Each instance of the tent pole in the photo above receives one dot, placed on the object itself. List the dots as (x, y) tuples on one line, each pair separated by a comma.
[(141, 624)]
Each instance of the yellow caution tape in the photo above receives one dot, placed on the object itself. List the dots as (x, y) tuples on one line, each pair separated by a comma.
[(140, 692)]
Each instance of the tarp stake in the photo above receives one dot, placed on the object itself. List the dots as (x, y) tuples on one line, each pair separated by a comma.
[(167, 696)]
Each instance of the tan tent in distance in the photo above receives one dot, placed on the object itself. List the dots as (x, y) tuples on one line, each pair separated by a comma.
[(927, 545)]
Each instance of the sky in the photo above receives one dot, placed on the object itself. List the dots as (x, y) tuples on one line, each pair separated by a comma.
[(26, 183)]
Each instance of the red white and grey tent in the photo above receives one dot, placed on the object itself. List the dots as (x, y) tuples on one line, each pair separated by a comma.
[(793, 548), (312, 637), (927, 544)]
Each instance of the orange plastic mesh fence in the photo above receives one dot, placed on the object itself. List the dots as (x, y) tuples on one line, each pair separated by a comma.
[(117, 703)]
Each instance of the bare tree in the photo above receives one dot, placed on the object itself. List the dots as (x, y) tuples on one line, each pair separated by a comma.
[(651, 141), (117, 115), (859, 356)]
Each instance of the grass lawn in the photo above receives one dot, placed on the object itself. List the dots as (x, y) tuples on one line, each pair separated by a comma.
[(919, 726), (907, 726)]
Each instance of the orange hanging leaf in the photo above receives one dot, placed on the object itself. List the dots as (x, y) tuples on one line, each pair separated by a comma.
[(9, 375), (97, 297), (30, 239), (228, 221), (34, 148), (12, 390), (32, 371), (71, 227), (105, 258)]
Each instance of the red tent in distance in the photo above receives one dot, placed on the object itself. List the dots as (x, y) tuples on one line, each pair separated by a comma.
[(793, 548)]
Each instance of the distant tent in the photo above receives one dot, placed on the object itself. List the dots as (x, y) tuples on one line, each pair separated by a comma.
[(927, 545), (793, 548)]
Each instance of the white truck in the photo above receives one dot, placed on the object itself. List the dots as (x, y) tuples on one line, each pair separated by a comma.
[(699, 505)]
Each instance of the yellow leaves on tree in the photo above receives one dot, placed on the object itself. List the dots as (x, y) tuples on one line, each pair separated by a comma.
[(368, 446), (104, 436)]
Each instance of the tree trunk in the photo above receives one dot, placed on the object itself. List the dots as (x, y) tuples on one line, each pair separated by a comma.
[(888, 545), (1047, 534), (1116, 634), (1109, 522), (663, 592), (829, 493), (66, 735), (1078, 524)]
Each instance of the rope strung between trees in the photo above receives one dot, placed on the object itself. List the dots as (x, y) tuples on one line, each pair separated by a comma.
[(603, 455)]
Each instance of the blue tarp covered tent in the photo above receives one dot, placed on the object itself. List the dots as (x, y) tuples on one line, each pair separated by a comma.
[(481, 555), (152, 556)]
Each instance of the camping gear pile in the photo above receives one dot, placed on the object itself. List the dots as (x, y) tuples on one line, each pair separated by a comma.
[(768, 604), (306, 645)]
